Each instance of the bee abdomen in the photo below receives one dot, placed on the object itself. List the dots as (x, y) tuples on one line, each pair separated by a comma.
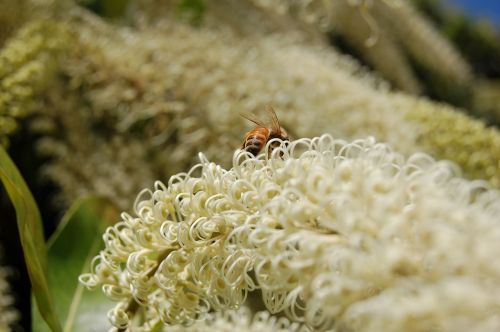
[(254, 143), (254, 149)]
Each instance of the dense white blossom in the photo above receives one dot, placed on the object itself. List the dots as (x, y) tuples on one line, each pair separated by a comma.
[(335, 234), (242, 320)]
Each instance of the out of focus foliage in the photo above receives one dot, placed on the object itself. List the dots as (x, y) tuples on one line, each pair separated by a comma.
[(69, 251), (487, 99), (479, 43), (31, 236), (398, 41)]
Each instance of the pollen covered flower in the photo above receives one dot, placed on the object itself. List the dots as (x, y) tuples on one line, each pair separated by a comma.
[(334, 234)]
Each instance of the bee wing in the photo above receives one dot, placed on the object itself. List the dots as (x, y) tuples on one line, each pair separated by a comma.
[(253, 118), (275, 124)]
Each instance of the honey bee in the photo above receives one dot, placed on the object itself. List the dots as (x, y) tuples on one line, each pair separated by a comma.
[(257, 138)]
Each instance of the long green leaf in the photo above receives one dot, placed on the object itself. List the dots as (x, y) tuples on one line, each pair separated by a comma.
[(70, 250), (32, 240)]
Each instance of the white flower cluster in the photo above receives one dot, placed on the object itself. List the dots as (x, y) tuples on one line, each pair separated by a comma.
[(242, 320), (336, 234)]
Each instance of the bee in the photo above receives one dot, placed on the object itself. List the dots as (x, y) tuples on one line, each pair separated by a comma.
[(257, 138)]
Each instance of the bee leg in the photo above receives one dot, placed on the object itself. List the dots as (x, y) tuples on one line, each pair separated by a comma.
[(272, 146)]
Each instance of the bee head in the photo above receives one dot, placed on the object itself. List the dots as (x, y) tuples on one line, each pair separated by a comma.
[(282, 134)]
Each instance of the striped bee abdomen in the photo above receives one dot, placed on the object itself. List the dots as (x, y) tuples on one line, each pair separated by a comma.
[(255, 140)]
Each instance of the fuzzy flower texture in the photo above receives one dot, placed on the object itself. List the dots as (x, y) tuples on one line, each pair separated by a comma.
[(346, 236)]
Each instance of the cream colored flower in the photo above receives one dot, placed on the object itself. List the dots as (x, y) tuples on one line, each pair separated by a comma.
[(336, 234), (448, 134), (137, 104), (242, 320), (128, 101)]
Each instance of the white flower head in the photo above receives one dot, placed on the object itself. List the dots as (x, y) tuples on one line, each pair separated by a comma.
[(335, 234), (242, 320)]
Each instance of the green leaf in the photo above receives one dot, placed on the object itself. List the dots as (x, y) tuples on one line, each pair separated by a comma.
[(108, 8), (31, 234), (192, 11), (70, 250)]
